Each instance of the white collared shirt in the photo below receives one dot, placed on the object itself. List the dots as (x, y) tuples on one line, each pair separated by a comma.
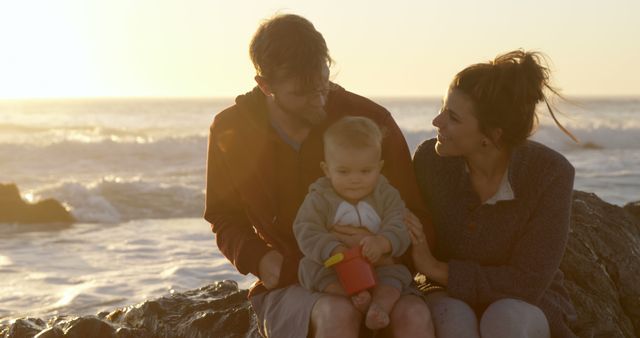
[(504, 193)]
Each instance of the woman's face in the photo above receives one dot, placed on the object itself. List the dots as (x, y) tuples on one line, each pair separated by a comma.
[(457, 126)]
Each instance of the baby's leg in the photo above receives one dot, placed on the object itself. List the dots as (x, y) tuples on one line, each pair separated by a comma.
[(335, 289), (360, 300), (392, 280), (382, 302)]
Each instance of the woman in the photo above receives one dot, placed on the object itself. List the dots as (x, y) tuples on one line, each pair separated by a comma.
[(500, 204)]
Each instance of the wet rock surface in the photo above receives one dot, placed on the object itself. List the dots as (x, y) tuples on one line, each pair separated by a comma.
[(601, 266), (15, 210), (216, 310)]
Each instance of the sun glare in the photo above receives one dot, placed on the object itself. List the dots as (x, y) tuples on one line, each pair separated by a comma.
[(45, 52)]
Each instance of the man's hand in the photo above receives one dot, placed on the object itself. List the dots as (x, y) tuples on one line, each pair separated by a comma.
[(373, 247), (350, 235), (269, 269)]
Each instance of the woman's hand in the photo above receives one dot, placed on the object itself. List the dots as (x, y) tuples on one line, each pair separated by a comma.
[(423, 260), (350, 235), (418, 238)]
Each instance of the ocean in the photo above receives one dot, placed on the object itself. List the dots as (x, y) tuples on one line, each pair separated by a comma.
[(132, 171)]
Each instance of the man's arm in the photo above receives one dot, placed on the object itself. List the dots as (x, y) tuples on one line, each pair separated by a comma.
[(235, 235)]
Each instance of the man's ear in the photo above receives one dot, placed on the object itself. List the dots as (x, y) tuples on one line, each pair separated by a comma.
[(263, 85), (325, 168)]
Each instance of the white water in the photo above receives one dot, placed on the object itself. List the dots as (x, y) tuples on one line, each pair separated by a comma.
[(87, 268), (132, 172)]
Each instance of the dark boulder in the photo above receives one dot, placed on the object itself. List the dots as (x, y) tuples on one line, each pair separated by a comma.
[(216, 310), (602, 268), (634, 209), (14, 210)]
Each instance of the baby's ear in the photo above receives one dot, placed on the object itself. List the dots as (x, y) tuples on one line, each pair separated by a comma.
[(381, 164), (325, 168)]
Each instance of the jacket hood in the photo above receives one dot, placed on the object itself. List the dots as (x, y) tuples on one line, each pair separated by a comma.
[(252, 98)]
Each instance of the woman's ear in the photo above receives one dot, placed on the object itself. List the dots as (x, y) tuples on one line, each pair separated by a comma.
[(263, 85), (496, 136)]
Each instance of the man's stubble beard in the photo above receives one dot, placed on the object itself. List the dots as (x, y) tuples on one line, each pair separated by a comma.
[(307, 117)]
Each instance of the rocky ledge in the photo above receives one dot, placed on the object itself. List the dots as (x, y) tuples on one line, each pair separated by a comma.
[(216, 310), (601, 266), (15, 210)]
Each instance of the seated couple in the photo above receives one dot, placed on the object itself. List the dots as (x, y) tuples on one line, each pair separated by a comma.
[(300, 169)]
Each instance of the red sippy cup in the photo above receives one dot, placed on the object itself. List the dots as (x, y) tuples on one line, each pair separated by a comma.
[(354, 271)]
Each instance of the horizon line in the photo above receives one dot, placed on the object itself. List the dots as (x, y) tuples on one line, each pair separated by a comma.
[(200, 98)]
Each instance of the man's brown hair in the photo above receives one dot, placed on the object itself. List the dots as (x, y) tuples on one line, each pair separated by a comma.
[(288, 45)]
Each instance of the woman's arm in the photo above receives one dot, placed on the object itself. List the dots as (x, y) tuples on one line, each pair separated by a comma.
[(536, 254), (423, 260)]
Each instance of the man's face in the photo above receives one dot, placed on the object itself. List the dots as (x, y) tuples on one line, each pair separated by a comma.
[(304, 104)]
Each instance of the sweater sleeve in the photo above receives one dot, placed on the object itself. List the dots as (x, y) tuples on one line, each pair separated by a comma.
[(310, 228), (393, 227), (398, 169), (536, 255), (235, 235)]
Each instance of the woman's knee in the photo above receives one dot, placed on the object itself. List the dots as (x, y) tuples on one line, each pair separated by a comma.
[(513, 318), (452, 317)]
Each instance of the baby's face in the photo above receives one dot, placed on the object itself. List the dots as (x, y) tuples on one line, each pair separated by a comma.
[(353, 172)]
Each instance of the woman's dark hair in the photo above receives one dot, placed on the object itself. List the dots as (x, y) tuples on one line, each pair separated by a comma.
[(289, 45), (505, 93)]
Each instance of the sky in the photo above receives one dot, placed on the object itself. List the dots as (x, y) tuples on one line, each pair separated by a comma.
[(199, 48)]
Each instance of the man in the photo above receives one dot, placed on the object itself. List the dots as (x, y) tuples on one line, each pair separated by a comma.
[(263, 154)]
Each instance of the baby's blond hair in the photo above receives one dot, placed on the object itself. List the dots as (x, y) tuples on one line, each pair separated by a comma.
[(353, 132)]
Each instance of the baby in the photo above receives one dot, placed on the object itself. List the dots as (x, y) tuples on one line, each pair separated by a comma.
[(353, 192)]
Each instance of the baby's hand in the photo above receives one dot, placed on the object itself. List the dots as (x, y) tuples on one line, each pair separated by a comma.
[(373, 247)]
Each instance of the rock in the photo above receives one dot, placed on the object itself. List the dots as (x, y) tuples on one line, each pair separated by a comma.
[(601, 266), (25, 327), (216, 310), (14, 210), (88, 327), (52, 332), (634, 209)]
